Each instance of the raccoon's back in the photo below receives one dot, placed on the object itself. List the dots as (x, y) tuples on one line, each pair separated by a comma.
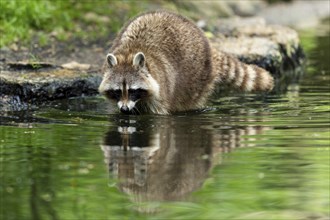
[(162, 32)]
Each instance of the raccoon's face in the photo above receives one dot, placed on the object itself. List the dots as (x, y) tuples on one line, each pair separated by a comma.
[(128, 82)]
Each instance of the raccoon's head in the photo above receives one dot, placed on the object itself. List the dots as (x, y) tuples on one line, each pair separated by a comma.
[(128, 82)]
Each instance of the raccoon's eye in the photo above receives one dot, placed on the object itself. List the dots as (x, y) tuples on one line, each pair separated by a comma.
[(113, 94), (136, 94)]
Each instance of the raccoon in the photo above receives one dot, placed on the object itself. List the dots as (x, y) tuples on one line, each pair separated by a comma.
[(162, 63)]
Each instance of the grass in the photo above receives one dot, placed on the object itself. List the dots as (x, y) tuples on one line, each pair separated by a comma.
[(23, 20)]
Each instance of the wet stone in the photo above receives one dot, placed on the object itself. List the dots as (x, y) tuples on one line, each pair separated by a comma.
[(273, 47), (43, 85)]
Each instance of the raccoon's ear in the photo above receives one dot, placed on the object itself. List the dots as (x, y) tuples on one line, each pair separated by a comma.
[(111, 59), (139, 60)]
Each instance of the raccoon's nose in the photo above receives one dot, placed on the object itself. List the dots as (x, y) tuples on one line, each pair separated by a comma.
[(124, 109)]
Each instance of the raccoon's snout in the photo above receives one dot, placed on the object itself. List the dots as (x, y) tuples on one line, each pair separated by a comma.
[(124, 109), (127, 107)]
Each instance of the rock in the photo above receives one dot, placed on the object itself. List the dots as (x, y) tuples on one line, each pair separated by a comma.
[(96, 18), (202, 10), (40, 86), (11, 103), (216, 9), (246, 8), (76, 66), (29, 65), (273, 47), (297, 14)]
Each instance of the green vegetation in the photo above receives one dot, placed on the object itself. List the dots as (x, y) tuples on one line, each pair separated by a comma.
[(23, 20)]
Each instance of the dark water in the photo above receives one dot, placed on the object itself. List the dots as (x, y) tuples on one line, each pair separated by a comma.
[(246, 157)]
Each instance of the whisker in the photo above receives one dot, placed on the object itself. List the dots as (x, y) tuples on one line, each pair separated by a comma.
[(136, 111)]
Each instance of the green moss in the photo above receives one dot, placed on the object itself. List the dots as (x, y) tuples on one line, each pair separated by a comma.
[(21, 20)]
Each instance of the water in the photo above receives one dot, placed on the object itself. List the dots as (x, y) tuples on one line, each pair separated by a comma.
[(245, 157)]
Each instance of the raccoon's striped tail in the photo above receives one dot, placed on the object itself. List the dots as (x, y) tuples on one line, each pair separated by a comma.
[(239, 75)]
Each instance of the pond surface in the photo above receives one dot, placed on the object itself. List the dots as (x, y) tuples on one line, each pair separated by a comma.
[(245, 157)]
